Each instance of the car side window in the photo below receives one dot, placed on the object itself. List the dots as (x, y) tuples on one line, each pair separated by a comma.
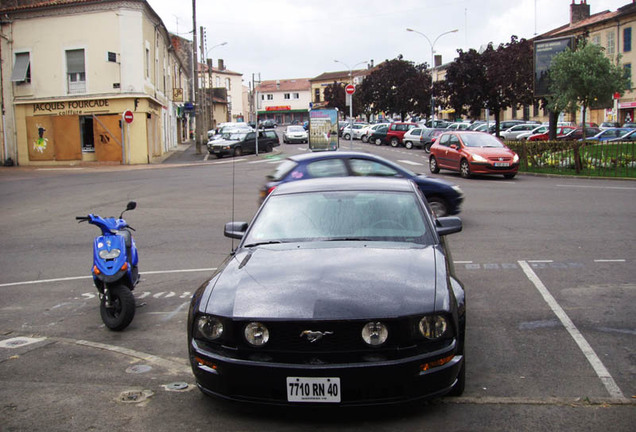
[(444, 140), (364, 167), (453, 140), (327, 168)]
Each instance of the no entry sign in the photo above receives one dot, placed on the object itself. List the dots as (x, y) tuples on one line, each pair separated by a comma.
[(128, 116), (350, 89)]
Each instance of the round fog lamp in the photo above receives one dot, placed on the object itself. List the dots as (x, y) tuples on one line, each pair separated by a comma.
[(256, 334), (375, 333)]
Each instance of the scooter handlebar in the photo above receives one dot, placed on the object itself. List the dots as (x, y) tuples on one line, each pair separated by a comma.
[(82, 218)]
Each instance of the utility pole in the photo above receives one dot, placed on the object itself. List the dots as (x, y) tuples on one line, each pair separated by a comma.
[(195, 79)]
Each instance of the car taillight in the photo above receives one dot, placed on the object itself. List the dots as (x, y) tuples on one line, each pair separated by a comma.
[(269, 191)]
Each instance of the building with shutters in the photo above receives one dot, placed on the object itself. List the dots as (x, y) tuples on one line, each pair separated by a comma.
[(71, 68)]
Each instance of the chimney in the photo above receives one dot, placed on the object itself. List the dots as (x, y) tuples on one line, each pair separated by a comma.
[(277, 84), (579, 11), (221, 65)]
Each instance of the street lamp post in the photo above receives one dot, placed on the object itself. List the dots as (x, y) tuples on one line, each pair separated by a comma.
[(351, 104), (432, 44)]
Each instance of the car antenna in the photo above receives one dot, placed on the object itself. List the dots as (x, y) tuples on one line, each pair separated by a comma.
[(233, 188)]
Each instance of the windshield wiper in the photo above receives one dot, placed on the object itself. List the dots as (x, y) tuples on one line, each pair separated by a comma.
[(263, 243), (347, 239)]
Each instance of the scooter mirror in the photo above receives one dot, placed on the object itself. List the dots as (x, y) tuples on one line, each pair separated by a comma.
[(131, 205)]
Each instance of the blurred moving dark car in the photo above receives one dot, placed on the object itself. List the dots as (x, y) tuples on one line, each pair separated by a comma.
[(378, 136), (444, 198), (268, 124), (469, 152), (341, 292)]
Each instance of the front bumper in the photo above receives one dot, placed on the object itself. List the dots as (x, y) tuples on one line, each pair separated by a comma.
[(489, 168), (291, 139), (368, 383)]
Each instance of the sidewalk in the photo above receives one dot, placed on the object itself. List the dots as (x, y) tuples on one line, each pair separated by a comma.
[(185, 153)]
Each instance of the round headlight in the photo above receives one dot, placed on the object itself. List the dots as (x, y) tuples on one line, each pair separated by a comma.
[(375, 333), (256, 334), (433, 327), (210, 327)]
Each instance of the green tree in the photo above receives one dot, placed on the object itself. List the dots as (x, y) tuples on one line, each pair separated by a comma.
[(396, 86), (496, 79), (335, 96), (584, 78)]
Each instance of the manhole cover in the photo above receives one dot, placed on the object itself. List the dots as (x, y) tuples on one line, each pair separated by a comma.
[(137, 369), (177, 386), (135, 396)]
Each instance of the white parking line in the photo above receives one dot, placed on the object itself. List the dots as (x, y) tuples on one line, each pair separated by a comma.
[(585, 347), (608, 260), (408, 162)]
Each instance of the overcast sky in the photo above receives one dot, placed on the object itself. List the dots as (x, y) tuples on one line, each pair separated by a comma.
[(283, 39)]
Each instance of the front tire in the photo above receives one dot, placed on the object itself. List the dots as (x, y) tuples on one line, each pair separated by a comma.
[(432, 165), (121, 311), (364, 138), (395, 142), (427, 147), (378, 141), (438, 206), (347, 137), (238, 151), (408, 145), (464, 169)]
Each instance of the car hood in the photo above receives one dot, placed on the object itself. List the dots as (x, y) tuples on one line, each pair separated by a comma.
[(294, 281)]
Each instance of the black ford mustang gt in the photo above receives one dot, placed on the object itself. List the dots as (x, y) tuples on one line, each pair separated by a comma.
[(341, 291)]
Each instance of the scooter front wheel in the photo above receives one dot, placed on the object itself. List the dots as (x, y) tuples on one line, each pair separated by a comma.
[(120, 312)]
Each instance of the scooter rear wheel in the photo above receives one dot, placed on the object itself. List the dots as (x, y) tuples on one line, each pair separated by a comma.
[(121, 312)]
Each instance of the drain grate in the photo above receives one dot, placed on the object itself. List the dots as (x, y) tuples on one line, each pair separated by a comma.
[(176, 386), (138, 369)]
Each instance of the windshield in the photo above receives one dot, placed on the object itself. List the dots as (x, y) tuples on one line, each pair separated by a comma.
[(237, 136), (295, 129), (481, 140), (282, 170), (344, 215)]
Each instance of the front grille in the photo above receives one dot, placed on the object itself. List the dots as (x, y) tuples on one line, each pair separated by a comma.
[(344, 345)]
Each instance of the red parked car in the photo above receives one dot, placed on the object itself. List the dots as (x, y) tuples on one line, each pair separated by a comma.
[(396, 132), (560, 131), (472, 153)]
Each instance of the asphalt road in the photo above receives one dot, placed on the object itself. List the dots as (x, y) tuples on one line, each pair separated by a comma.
[(548, 265)]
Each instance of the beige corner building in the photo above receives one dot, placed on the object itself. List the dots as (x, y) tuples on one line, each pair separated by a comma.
[(89, 81)]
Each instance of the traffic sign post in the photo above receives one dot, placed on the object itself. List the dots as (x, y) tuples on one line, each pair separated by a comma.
[(128, 117)]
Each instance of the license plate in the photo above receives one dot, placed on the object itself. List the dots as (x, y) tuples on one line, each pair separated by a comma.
[(303, 389), (502, 164)]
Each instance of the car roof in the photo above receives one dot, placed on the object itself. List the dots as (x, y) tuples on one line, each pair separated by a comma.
[(332, 184), (304, 157)]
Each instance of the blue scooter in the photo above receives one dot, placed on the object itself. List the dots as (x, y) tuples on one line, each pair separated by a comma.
[(115, 271)]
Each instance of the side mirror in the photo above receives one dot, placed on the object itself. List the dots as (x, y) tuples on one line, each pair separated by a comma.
[(235, 229), (448, 225), (131, 205), (454, 146)]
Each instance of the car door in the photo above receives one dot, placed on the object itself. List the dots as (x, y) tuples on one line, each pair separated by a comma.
[(365, 167), (446, 156)]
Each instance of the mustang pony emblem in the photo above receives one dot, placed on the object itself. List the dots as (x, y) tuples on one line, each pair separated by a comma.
[(313, 336)]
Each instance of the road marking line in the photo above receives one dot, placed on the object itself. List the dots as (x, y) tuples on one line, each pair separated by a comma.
[(90, 277), (608, 260), (539, 261), (463, 262), (585, 347), (408, 162)]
